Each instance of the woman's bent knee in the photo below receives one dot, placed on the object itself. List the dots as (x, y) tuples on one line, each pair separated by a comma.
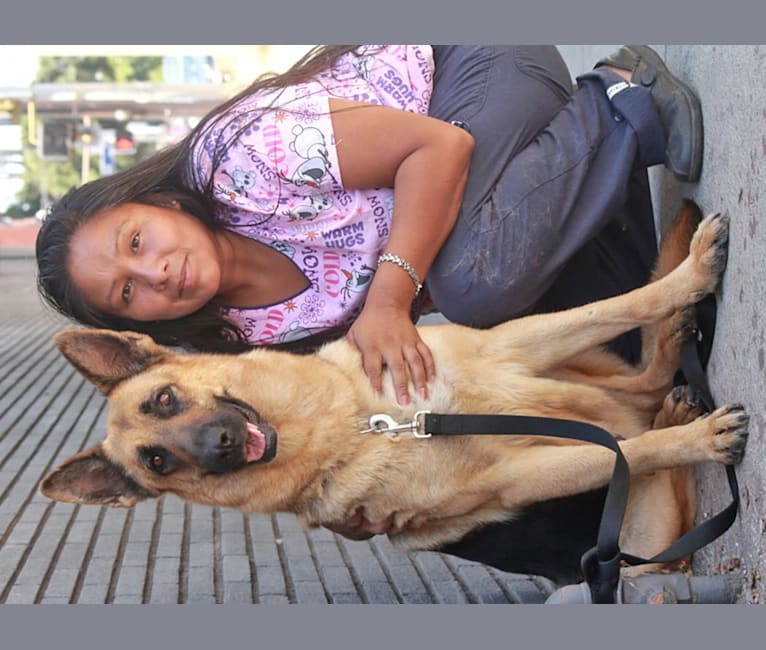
[(477, 303)]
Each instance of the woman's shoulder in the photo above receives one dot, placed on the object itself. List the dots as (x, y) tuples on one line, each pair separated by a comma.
[(286, 134), (393, 75)]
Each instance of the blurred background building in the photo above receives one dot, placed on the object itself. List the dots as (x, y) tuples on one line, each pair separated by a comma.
[(69, 114)]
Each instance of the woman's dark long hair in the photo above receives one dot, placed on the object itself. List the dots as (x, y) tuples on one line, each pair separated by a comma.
[(159, 180)]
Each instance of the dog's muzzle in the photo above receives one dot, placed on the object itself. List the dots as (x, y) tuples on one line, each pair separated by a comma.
[(233, 440)]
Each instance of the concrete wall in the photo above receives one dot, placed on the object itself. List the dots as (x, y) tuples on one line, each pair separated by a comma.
[(730, 82)]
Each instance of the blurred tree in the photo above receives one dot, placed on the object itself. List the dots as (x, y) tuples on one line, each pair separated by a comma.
[(118, 69), (69, 69), (44, 177), (49, 180), (137, 68)]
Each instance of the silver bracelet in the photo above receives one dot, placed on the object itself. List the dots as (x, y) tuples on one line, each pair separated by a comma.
[(402, 264)]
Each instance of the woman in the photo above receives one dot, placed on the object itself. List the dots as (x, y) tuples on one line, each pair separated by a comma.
[(319, 202)]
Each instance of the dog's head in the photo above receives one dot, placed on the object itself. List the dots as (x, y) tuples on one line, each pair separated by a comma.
[(174, 424)]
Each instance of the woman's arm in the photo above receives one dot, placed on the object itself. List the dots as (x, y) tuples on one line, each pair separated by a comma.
[(426, 161)]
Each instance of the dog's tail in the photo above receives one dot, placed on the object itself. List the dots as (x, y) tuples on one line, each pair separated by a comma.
[(674, 246)]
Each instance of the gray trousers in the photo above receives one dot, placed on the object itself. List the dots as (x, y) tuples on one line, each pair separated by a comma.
[(556, 210)]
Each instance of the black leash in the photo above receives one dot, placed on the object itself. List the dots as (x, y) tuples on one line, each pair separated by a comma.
[(601, 564), (602, 569)]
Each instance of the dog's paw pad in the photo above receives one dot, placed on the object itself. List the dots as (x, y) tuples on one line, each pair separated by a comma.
[(730, 432)]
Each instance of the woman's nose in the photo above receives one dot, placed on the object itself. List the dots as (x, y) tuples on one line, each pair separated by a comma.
[(154, 273)]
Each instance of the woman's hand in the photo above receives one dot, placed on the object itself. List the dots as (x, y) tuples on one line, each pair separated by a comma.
[(386, 336)]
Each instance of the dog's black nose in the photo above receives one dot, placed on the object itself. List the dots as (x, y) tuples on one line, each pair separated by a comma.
[(218, 447)]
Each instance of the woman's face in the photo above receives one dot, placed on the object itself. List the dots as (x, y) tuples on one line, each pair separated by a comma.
[(145, 262)]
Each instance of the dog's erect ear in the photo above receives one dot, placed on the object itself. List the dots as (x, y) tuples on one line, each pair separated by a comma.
[(91, 478), (106, 357)]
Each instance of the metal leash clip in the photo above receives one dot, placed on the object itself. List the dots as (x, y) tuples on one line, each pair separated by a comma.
[(383, 423)]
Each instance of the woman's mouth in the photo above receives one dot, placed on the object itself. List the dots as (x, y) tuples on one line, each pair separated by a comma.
[(183, 276)]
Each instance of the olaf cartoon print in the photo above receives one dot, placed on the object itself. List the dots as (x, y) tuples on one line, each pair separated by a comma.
[(294, 332), (284, 248), (309, 144), (241, 181), (357, 280), (363, 66), (309, 210)]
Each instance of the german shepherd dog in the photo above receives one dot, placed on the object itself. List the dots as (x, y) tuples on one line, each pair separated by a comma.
[(269, 431)]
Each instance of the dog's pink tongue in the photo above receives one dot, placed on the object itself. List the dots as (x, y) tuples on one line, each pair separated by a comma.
[(255, 444)]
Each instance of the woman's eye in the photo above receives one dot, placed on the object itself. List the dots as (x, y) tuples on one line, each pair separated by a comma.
[(135, 240), (126, 290)]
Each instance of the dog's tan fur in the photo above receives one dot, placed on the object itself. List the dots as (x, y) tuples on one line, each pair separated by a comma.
[(432, 491)]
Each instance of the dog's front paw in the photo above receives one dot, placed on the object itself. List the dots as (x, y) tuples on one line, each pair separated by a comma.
[(727, 433), (708, 250)]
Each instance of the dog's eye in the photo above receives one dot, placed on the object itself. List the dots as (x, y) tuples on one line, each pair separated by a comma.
[(162, 403), (165, 397), (157, 459)]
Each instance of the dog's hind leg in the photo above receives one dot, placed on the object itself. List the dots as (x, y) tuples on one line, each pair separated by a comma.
[(543, 341), (659, 511), (656, 379), (674, 248), (662, 506), (660, 341), (681, 406)]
